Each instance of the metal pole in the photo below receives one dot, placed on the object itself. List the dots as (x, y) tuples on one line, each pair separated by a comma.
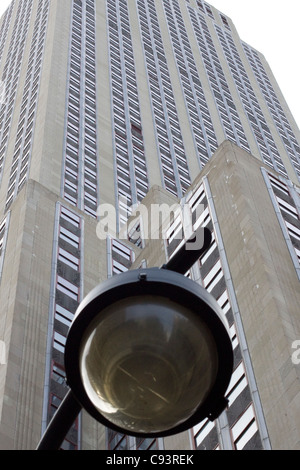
[(60, 424), (188, 254)]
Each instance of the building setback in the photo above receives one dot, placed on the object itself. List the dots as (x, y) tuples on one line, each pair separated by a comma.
[(133, 105)]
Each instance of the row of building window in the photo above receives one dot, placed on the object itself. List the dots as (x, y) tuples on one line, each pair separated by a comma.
[(67, 298), (240, 415), (241, 432), (264, 139), (117, 441), (3, 228), (280, 120), (11, 73), (199, 115), (174, 169), (70, 442), (6, 20), (227, 111), (130, 161), (121, 257), (205, 9), (3, 239), (22, 150), (80, 183), (288, 204)]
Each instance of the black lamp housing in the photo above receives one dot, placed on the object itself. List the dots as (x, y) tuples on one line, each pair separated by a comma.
[(170, 299), (169, 285)]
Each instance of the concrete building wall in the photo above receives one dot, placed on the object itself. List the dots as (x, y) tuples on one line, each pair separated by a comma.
[(25, 287), (266, 286), (25, 291), (262, 271)]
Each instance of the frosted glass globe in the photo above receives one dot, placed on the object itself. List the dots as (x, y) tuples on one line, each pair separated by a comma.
[(147, 363)]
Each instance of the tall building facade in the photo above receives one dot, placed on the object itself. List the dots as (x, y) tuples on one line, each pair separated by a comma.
[(143, 103)]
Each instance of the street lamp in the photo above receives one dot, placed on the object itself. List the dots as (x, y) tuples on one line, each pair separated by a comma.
[(148, 353)]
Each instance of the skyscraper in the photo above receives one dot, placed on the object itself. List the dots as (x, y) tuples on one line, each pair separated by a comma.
[(118, 103)]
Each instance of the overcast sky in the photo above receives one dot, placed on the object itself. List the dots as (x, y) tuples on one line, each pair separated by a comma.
[(272, 27)]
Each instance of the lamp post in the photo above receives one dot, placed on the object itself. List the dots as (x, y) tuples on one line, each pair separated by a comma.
[(148, 354)]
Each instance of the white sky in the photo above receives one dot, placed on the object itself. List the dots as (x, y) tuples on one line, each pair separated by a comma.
[(272, 27)]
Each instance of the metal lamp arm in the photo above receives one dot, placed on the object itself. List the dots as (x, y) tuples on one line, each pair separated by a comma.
[(60, 424), (190, 252)]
